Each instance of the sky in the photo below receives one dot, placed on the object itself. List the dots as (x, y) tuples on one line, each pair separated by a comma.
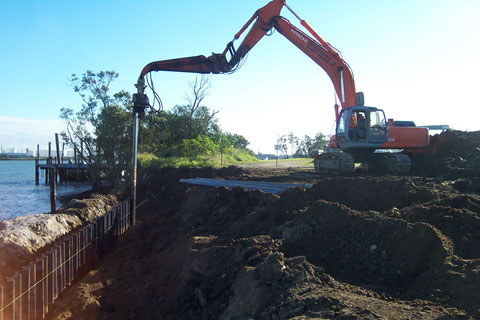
[(416, 60)]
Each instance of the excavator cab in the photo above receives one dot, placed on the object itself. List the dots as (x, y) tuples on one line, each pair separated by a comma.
[(361, 127)]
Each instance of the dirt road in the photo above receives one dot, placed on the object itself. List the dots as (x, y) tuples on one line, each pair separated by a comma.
[(281, 163)]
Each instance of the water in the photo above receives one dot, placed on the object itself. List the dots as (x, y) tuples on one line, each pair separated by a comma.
[(20, 196)]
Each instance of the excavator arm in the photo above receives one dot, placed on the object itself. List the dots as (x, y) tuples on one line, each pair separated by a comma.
[(217, 62), (264, 19)]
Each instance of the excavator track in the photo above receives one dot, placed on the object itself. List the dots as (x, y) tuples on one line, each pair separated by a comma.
[(398, 163), (391, 163), (334, 163)]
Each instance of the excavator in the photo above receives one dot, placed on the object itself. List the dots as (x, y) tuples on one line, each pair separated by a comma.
[(363, 134)]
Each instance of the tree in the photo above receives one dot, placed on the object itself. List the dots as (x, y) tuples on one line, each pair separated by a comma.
[(282, 145), (319, 143), (304, 147), (113, 136), (238, 141), (224, 144), (308, 147), (200, 146), (162, 131), (101, 125), (197, 119), (155, 135), (294, 142)]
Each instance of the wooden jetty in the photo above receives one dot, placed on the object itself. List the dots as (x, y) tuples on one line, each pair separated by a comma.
[(71, 171), (55, 169)]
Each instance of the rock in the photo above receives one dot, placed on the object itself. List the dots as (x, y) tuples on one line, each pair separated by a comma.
[(91, 208)]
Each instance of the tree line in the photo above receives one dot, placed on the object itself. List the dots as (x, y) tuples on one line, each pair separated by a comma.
[(102, 128), (291, 145)]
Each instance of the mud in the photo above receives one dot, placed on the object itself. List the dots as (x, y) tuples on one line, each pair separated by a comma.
[(348, 248)]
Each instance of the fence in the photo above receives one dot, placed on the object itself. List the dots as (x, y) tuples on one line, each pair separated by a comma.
[(31, 291)]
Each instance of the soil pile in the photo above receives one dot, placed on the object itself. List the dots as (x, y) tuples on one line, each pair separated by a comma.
[(347, 248), (451, 155)]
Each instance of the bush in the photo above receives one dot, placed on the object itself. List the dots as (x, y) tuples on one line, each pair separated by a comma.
[(194, 148)]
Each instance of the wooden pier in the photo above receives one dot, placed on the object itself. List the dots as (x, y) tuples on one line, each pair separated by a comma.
[(55, 169), (74, 170)]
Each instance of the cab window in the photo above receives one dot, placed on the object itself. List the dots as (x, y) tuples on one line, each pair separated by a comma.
[(342, 122)]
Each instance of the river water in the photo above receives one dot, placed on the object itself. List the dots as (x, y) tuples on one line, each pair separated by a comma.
[(20, 196)]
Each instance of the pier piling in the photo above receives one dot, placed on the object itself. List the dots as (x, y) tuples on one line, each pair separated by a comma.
[(53, 189)]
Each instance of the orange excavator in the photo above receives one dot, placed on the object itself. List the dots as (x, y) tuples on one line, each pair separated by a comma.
[(361, 131)]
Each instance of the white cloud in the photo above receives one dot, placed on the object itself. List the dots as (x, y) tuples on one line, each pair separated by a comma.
[(24, 133)]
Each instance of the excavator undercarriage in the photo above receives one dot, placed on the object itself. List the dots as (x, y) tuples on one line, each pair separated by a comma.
[(342, 163)]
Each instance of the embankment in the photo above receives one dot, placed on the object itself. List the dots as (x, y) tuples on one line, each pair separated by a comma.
[(24, 238)]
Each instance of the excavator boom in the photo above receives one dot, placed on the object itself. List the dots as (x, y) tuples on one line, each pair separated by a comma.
[(264, 19)]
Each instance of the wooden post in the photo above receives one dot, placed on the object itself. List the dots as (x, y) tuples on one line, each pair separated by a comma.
[(63, 151), (75, 160), (57, 144), (46, 172), (37, 173), (37, 163), (81, 152), (81, 159), (53, 190), (49, 161)]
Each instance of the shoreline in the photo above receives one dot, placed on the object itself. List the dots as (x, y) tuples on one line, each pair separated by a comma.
[(25, 237)]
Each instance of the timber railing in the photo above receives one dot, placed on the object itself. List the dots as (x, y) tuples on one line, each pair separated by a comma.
[(31, 291)]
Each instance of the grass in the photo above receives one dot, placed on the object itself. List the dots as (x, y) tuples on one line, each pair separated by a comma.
[(304, 161), (231, 157)]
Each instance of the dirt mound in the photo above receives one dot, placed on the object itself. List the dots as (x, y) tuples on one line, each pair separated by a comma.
[(24, 238), (451, 155), (347, 248), (161, 184)]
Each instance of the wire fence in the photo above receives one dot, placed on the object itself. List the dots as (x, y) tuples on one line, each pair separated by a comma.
[(31, 291)]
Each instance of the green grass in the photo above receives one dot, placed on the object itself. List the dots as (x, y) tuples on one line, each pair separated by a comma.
[(231, 157)]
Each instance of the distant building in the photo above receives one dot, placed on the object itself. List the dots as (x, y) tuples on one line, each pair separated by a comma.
[(9, 150), (15, 155)]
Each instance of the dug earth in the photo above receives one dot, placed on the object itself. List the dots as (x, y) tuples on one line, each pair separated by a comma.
[(359, 247), (348, 248)]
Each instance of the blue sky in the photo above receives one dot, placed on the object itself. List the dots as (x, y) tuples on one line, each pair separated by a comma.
[(417, 60)]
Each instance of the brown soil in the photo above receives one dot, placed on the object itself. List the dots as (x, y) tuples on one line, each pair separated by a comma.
[(452, 155), (359, 247)]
